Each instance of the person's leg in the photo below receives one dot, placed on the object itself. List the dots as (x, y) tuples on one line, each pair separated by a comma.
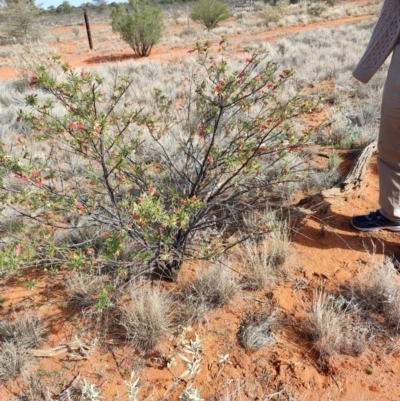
[(388, 216), (389, 143)]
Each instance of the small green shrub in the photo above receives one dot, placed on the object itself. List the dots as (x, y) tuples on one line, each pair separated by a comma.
[(140, 25), (316, 9), (210, 13), (161, 181), (19, 20), (271, 14)]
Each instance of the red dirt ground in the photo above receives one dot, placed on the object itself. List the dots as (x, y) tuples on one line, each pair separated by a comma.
[(77, 52), (325, 250)]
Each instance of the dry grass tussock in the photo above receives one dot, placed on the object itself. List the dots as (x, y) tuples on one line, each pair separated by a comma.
[(148, 316), (263, 259), (83, 288), (332, 326), (255, 331), (16, 336), (214, 287), (378, 290), (25, 332), (12, 362), (256, 265)]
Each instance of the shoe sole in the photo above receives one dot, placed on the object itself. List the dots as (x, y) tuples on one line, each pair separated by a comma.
[(395, 229)]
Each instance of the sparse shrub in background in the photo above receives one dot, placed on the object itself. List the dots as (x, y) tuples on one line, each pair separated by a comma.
[(255, 331), (147, 317), (76, 31), (158, 179), (101, 5), (271, 14), (332, 2), (64, 8), (140, 25), (210, 13), (316, 9), (19, 19), (25, 332), (378, 290)]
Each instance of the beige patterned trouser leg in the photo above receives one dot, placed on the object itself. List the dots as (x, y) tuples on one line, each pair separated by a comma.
[(389, 142)]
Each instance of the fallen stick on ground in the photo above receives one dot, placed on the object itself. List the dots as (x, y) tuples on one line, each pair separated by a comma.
[(66, 393), (84, 349), (356, 174), (322, 201)]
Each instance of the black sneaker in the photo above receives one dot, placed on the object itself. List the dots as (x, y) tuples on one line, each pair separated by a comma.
[(374, 221)]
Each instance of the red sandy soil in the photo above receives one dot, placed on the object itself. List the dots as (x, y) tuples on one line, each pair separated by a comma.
[(77, 52), (325, 252)]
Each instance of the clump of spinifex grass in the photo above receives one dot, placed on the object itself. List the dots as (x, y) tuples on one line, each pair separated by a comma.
[(378, 290), (12, 361), (263, 255), (214, 287), (147, 317), (25, 332), (332, 326), (255, 331), (16, 337)]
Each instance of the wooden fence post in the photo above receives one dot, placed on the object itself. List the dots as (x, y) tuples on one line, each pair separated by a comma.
[(89, 35)]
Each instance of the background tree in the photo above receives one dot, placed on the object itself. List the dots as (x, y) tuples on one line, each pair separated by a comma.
[(210, 13), (65, 8), (101, 5), (19, 19), (140, 24)]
